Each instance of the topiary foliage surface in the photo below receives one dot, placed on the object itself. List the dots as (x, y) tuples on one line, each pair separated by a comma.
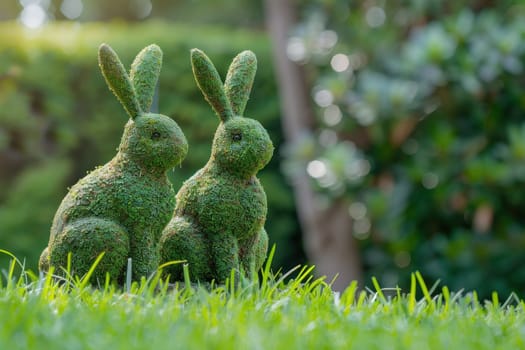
[(218, 223), (121, 208)]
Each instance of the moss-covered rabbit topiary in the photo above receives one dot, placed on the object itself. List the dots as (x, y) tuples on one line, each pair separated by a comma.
[(121, 208), (218, 224)]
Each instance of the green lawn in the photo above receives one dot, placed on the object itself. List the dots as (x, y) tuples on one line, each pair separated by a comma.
[(301, 313)]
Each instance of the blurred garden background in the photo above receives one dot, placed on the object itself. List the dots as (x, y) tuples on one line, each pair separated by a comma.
[(399, 125)]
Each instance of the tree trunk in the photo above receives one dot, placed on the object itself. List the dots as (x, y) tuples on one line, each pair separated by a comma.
[(327, 233)]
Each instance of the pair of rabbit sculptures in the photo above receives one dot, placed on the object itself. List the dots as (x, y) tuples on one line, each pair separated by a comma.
[(128, 208)]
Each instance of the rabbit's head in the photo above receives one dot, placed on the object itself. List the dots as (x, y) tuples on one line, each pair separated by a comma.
[(241, 146), (154, 141)]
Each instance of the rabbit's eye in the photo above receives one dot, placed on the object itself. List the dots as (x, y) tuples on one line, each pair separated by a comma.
[(237, 136), (155, 135)]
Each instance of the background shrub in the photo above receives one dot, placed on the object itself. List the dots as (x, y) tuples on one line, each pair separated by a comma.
[(58, 119), (422, 130)]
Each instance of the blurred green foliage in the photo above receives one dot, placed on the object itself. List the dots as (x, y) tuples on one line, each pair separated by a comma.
[(58, 119), (421, 128), (226, 12)]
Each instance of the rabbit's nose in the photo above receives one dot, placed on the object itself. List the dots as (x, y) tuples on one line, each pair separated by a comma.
[(182, 145)]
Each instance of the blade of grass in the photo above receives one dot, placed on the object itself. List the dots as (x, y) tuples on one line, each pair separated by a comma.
[(456, 296), (12, 256), (423, 287), (186, 274), (85, 279), (231, 282), (107, 282), (10, 273), (304, 274), (69, 263), (348, 296), (361, 299), (434, 287), (153, 282), (513, 297), (412, 294), (47, 285), (310, 286), (378, 289), (281, 280), (446, 297), (475, 299), (333, 280), (128, 275), (266, 271), (495, 299), (169, 263)]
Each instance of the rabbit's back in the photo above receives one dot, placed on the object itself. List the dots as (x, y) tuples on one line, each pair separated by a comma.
[(223, 204), (91, 196)]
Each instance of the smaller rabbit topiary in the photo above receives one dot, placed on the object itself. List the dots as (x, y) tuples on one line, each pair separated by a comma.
[(121, 208), (218, 223)]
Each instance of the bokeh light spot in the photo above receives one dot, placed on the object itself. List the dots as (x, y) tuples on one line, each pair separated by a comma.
[(362, 228), (295, 50), (316, 169), (375, 16), (323, 98), (72, 9), (357, 210), (340, 62), (142, 8), (33, 16), (332, 115), (430, 180)]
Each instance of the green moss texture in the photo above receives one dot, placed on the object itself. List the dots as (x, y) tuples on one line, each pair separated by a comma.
[(218, 223), (122, 207)]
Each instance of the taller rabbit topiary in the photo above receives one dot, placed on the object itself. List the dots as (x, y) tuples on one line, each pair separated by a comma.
[(218, 223), (121, 208)]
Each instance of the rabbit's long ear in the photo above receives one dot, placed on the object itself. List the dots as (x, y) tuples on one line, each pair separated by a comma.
[(145, 72), (239, 80), (210, 84), (118, 80)]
